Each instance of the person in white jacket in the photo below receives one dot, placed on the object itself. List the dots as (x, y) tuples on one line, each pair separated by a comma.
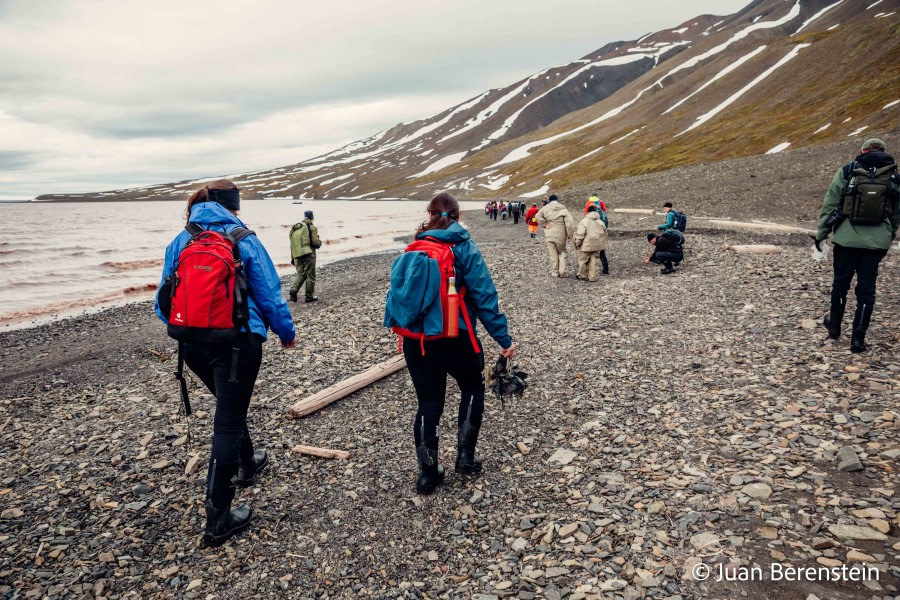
[(559, 227), (590, 241)]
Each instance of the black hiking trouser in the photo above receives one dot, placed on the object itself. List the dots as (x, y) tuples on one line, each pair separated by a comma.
[(604, 261), (666, 258), (212, 364), (864, 263), (454, 357)]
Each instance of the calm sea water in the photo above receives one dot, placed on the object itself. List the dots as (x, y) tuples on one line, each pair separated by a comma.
[(58, 259)]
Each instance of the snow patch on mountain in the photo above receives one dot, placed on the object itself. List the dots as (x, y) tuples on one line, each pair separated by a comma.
[(495, 183), (360, 197), (779, 148), (440, 164), (572, 162), (338, 178), (539, 192)]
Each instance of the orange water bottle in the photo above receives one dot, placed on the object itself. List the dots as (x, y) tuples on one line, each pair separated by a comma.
[(452, 308)]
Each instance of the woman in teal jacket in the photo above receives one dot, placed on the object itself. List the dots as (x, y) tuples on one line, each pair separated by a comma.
[(430, 362), (233, 460)]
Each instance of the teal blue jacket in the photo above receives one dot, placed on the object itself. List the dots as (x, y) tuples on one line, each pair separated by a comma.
[(471, 273), (670, 221)]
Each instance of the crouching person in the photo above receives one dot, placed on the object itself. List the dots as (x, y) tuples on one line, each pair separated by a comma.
[(590, 241), (443, 273), (220, 336), (668, 250)]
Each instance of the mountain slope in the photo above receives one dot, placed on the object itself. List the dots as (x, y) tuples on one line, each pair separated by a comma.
[(796, 72)]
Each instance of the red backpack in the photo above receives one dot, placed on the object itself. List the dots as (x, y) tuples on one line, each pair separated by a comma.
[(443, 254), (205, 297)]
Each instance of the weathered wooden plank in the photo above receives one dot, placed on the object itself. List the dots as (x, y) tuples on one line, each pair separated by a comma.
[(343, 388)]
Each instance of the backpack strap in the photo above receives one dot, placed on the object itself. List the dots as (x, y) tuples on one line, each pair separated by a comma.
[(193, 229), (236, 235), (468, 321), (848, 172)]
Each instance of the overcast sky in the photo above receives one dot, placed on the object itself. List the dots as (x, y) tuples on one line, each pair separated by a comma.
[(101, 95)]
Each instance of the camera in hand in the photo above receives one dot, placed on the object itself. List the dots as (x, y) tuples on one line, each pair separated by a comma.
[(834, 219)]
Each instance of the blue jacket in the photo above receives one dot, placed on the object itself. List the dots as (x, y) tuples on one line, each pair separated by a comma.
[(267, 307), (471, 273), (670, 221)]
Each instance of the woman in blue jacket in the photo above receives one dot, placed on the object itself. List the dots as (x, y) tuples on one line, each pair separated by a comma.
[(233, 461), (430, 362)]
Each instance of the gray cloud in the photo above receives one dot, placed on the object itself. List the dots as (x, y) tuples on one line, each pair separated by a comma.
[(16, 161)]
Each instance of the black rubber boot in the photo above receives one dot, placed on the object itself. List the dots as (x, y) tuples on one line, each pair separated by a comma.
[(431, 474), (222, 521), (312, 298), (832, 320), (860, 326), (667, 270), (251, 467), (293, 296), (467, 463)]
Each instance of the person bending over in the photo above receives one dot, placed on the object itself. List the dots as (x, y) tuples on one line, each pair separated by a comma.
[(667, 250)]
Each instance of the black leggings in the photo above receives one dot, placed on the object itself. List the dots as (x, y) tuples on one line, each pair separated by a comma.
[(454, 357), (212, 364)]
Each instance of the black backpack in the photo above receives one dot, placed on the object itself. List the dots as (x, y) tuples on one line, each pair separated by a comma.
[(680, 221), (868, 196), (675, 236)]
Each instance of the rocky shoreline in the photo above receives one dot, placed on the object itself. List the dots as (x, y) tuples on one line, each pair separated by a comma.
[(669, 421)]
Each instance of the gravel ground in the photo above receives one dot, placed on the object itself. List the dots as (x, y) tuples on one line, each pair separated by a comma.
[(669, 420)]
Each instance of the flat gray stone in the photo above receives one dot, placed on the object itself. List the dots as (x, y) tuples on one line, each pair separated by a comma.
[(757, 490), (563, 456), (848, 460), (855, 532)]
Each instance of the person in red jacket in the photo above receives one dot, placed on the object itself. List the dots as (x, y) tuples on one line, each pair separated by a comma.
[(531, 220)]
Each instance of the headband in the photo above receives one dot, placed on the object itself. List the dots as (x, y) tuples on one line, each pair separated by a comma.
[(230, 199)]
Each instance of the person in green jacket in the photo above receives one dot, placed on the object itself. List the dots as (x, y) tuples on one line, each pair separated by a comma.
[(858, 248), (304, 243)]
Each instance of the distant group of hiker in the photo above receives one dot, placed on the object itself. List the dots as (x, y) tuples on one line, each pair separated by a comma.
[(513, 209), (590, 237), (220, 293)]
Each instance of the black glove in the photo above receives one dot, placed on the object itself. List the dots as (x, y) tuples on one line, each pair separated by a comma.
[(816, 241)]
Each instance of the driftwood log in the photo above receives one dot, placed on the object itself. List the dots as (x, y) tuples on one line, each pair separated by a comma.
[(321, 452), (754, 249), (343, 388), (758, 226)]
